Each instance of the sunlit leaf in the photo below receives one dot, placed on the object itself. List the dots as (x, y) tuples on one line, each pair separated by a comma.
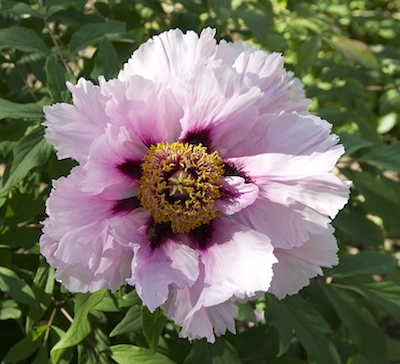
[(130, 354), (15, 287)]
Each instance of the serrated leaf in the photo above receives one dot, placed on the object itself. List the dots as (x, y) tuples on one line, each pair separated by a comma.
[(220, 352), (15, 287), (385, 156), (131, 322), (106, 62), (153, 325), (23, 39), (57, 76), (130, 354), (368, 262), (88, 34), (27, 346), (81, 327), (31, 151), (42, 287), (14, 110), (367, 334), (355, 50)]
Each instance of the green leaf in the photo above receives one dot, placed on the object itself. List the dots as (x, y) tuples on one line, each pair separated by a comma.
[(389, 102), (221, 352), (57, 76), (106, 62), (277, 314), (368, 262), (15, 287), (42, 287), (153, 325), (31, 151), (21, 8), (9, 309), (42, 356), (131, 322), (90, 33), (385, 294), (307, 54), (367, 334), (382, 196), (295, 313), (222, 8), (81, 327), (14, 110), (130, 354), (23, 39), (385, 156), (353, 142), (27, 346), (358, 227), (355, 50)]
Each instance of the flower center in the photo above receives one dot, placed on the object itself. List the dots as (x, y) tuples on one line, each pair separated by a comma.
[(179, 184)]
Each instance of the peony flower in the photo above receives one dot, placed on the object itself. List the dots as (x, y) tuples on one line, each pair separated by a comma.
[(202, 180)]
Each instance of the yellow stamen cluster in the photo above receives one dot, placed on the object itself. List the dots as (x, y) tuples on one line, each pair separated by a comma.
[(179, 184)]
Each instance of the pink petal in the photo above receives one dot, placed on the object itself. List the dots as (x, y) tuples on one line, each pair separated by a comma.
[(72, 128), (298, 265), (149, 111), (155, 271), (239, 195), (107, 153), (170, 54), (76, 239), (238, 264), (205, 321)]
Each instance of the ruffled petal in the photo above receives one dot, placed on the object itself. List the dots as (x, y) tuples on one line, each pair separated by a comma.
[(147, 109), (72, 128), (204, 322), (154, 271), (170, 54), (76, 239), (237, 195), (297, 266), (107, 154)]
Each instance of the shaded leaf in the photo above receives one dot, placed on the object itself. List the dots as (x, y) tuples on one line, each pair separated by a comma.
[(130, 354), (27, 346), (81, 327), (14, 110), (57, 76), (31, 151), (88, 34), (355, 50), (131, 322), (309, 325), (367, 334), (353, 142), (153, 325), (368, 262), (385, 156), (9, 309), (307, 54), (220, 352), (15, 287), (106, 62), (23, 39)]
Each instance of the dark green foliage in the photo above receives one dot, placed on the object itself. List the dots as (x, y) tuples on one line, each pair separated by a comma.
[(346, 53)]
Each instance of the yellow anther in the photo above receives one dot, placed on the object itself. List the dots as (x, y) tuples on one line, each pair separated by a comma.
[(180, 183)]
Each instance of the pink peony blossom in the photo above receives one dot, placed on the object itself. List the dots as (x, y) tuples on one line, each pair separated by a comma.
[(202, 180)]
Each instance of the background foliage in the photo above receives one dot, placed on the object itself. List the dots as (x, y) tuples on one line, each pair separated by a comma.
[(347, 54)]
